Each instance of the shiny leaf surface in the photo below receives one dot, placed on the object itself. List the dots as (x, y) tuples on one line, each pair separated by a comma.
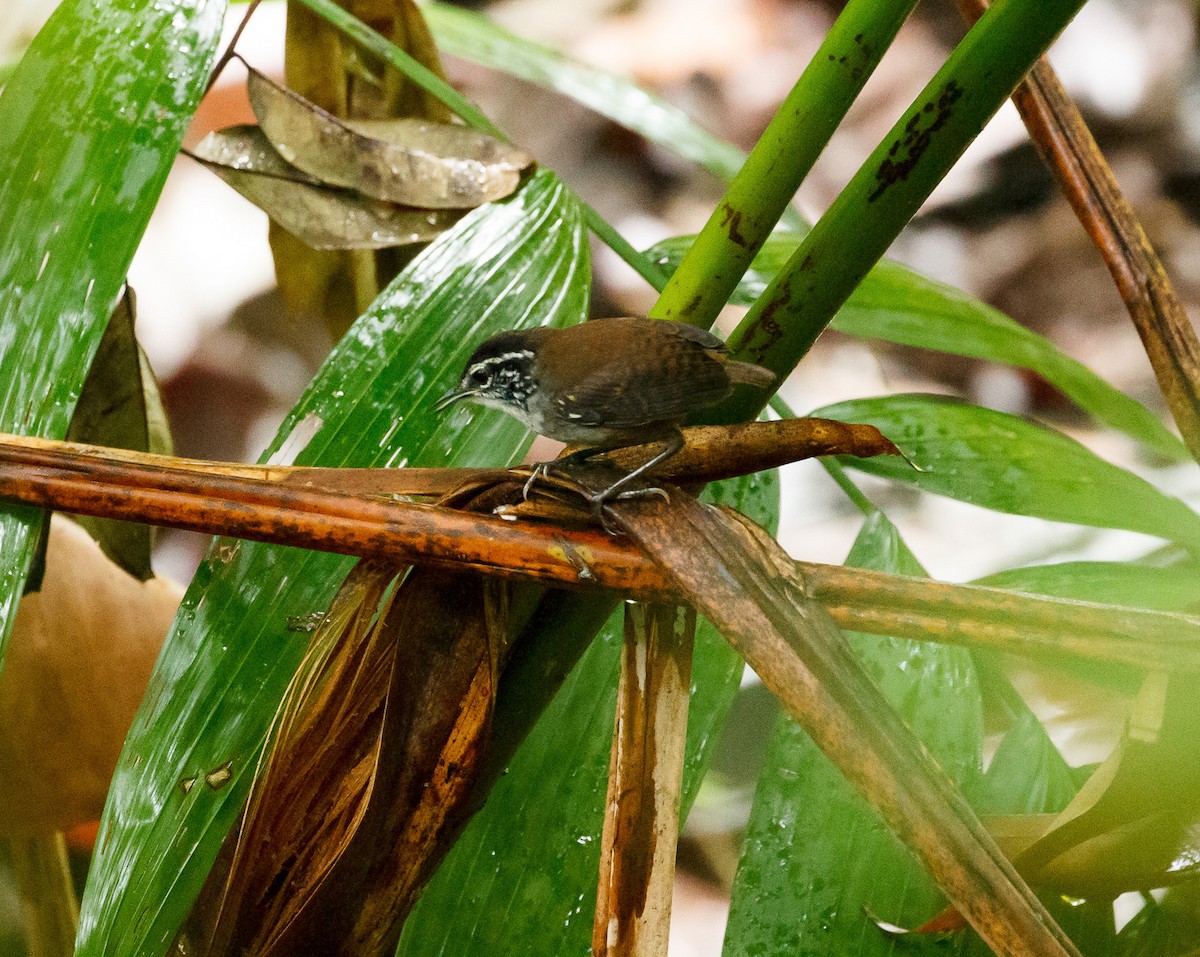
[(1171, 587), (1005, 463), (89, 125), (191, 754), (815, 854), (899, 305), (522, 878)]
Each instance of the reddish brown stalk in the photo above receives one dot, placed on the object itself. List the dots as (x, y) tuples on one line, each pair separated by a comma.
[(1069, 149), (641, 813), (285, 514)]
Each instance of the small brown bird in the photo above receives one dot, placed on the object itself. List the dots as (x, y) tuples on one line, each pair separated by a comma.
[(607, 384)]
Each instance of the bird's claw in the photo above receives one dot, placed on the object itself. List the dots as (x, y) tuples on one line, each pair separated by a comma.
[(603, 498), (540, 469)]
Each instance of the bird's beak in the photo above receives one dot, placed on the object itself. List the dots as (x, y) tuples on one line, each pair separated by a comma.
[(453, 396)]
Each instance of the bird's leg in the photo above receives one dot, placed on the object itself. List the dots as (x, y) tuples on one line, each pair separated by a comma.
[(543, 468), (674, 442)]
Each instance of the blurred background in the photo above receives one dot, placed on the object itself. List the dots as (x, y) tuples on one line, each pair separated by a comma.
[(230, 363)]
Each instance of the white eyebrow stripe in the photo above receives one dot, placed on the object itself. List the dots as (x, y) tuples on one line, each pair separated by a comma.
[(505, 357)]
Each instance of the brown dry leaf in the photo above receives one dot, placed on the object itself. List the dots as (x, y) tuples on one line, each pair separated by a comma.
[(327, 67), (320, 768), (413, 162), (369, 777), (81, 654), (319, 216)]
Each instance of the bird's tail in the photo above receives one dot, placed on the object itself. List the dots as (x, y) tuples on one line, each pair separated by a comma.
[(750, 374)]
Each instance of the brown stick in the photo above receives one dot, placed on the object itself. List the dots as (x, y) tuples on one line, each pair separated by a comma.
[(743, 582), (710, 453), (581, 558), (1065, 142), (641, 814)]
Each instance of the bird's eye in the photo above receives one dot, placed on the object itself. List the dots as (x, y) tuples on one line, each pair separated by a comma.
[(479, 377)]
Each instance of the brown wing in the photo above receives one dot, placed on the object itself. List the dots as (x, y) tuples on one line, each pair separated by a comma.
[(656, 371)]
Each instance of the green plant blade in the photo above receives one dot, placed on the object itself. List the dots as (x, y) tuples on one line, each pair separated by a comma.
[(1172, 587), (227, 662), (815, 854), (1007, 464), (475, 38), (1027, 775), (899, 305), (90, 122), (522, 878)]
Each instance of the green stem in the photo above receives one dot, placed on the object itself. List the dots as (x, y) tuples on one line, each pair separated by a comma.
[(782, 157), (891, 186), (413, 69), (642, 264), (474, 117)]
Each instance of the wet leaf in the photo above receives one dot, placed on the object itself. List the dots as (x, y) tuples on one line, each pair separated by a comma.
[(408, 161), (227, 663), (321, 217), (119, 407), (1005, 463), (1171, 587), (898, 305), (815, 858), (90, 123), (1026, 775)]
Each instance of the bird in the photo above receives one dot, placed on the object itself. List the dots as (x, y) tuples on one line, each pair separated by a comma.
[(604, 384)]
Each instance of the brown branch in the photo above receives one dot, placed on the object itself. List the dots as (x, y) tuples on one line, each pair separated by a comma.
[(710, 453), (645, 777), (286, 514), (1066, 144)]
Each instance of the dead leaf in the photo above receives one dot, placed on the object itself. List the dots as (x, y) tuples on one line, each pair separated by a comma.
[(119, 406), (319, 216), (80, 656), (413, 162)]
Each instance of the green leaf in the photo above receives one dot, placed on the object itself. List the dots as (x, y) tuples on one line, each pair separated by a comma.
[(225, 665), (89, 125), (522, 878), (898, 305), (1005, 463), (1172, 587), (815, 854), (1027, 775), (475, 38)]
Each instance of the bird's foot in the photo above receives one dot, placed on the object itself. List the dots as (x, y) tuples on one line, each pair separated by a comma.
[(543, 469), (601, 499)]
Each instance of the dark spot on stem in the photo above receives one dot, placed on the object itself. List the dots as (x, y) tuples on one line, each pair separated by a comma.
[(731, 219), (907, 151)]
